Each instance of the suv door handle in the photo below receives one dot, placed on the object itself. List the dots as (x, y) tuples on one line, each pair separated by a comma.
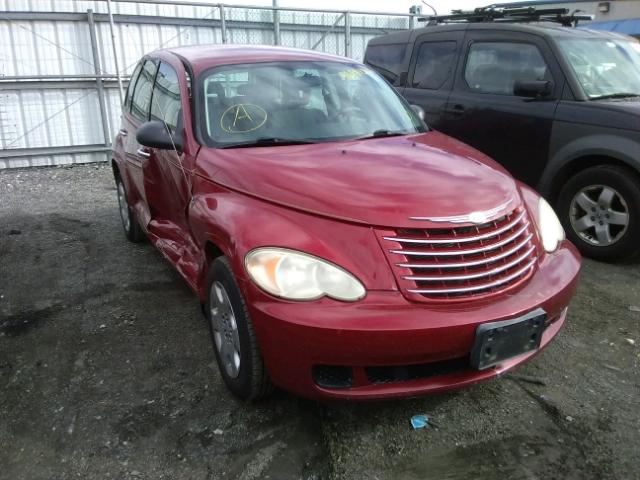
[(123, 132), (456, 109), (143, 153)]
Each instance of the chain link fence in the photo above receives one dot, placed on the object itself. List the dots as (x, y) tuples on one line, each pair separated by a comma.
[(64, 62)]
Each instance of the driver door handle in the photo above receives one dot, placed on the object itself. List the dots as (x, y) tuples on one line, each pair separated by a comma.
[(456, 109), (143, 153)]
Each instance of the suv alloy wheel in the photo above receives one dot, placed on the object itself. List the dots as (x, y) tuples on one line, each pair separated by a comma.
[(600, 209)]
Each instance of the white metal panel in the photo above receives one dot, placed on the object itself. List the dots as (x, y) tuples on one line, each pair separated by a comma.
[(31, 118)]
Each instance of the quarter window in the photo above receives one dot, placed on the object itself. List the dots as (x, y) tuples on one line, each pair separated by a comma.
[(434, 65), (386, 59), (165, 102), (142, 91), (494, 67)]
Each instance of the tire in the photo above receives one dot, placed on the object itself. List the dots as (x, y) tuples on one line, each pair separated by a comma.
[(243, 371), (600, 211), (130, 225)]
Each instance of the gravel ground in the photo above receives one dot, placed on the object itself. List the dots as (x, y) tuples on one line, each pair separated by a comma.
[(106, 371)]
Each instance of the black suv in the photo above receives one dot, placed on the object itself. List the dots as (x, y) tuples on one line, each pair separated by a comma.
[(558, 106)]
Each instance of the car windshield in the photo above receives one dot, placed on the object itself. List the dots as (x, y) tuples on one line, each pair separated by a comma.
[(299, 102), (604, 67)]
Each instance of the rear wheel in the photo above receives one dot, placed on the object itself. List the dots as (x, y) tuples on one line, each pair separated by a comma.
[(130, 224), (600, 210), (234, 340)]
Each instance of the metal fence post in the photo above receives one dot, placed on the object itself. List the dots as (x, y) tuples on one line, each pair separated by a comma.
[(276, 23), (112, 28), (223, 23), (347, 34), (411, 21), (99, 86)]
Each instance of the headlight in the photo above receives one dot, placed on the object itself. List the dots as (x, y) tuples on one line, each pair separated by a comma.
[(299, 276), (551, 231)]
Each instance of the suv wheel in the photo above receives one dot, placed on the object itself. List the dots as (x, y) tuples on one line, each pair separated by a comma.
[(234, 340), (129, 222), (600, 210)]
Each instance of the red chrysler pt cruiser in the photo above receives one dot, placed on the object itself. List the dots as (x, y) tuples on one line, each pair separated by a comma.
[(340, 248)]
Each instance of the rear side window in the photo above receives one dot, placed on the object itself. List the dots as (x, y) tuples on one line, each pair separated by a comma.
[(387, 60), (165, 102), (494, 67), (434, 65), (142, 91), (132, 84)]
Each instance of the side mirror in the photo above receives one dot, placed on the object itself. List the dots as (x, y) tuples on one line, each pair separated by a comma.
[(154, 134), (532, 88), (418, 110)]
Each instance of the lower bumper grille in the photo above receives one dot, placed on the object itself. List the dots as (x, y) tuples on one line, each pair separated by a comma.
[(403, 373), (462, 262)]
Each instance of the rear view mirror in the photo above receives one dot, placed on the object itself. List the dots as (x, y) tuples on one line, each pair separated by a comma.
[(532, 88), (154, 134), (418, 110)]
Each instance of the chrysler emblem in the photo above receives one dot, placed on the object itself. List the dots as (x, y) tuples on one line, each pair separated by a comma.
[(476, 218)]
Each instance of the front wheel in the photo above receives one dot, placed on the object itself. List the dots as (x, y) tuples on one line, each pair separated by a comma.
[(600, 211), (234, 340), (130, 224)]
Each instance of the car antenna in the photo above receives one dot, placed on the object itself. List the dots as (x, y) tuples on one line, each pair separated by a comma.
[(173, 144)]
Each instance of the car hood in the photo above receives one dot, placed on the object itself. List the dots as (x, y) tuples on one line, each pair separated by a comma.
[(379, 181)]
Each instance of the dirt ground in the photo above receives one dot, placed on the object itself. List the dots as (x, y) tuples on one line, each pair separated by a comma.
[(106, 371)]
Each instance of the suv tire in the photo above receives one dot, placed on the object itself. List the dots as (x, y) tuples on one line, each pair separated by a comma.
[(234, 340), (600, 210)]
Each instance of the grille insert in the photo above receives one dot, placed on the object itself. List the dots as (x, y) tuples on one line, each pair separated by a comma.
[(461, 262), (404, 373)]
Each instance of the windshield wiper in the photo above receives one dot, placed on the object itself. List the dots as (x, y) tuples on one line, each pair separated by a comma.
[(616, 95), (384, 133), (267, 142)]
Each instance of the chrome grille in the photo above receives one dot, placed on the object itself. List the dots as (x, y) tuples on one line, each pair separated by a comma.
[(461, 262)]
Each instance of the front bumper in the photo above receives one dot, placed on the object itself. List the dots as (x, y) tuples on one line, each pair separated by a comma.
[(385, 330)]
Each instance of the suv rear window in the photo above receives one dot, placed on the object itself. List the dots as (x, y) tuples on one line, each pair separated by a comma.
[(433, 64), (494, 67), (386, 59)]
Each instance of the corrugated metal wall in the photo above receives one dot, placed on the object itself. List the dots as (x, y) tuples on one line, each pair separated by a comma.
[(50, 104)]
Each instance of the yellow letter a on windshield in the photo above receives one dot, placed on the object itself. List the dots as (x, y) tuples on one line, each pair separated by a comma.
[(240, 116)]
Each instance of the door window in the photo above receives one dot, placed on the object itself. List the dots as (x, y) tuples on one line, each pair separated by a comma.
[(494, 67), (386, 59), (132, 84), (434, 65), (142, 91), (165, 101)]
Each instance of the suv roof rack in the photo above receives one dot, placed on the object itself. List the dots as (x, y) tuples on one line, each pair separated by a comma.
[(494, 13)]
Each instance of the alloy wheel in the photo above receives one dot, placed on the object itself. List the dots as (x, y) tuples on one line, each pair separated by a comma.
[(225, 329), (599, 215)]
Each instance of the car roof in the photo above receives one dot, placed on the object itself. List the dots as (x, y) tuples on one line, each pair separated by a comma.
[(203, 57), (544, 29)]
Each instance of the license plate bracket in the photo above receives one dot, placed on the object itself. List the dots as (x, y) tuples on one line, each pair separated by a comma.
[(499, 341)]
